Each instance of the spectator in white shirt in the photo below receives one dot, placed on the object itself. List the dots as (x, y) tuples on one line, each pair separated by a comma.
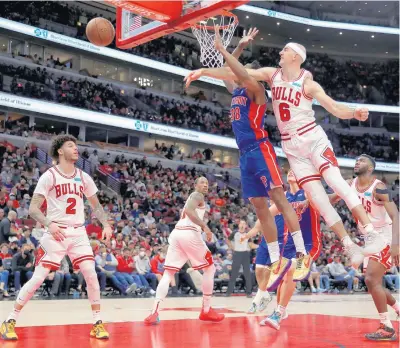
[(148, 219)]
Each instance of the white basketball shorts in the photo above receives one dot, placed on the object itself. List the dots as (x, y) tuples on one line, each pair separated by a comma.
[(308, 153), (76, 245), (184, 245)]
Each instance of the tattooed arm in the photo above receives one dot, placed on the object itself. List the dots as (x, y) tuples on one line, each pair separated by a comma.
[(101, 215), (37, 214)]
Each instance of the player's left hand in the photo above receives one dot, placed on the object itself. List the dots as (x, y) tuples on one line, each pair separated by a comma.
[(218, 41), (395, 254), (248, 37), (361, 114), (192, 76), (107, 233)]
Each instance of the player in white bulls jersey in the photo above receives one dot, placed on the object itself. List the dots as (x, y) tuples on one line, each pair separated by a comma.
[(186, 243), (63, 187), (308, 149), (384, 215)]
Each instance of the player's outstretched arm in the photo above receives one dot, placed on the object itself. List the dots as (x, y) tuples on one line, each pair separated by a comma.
[(383, 195), (101, 215), (237, 68), (314, 90), (243, 43)]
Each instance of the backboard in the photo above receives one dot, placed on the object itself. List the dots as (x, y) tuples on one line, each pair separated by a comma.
[(142, 21)]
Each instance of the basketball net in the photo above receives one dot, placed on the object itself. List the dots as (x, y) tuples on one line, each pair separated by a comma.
[(205, 34)]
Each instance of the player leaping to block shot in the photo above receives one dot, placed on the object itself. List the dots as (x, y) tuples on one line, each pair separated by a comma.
[(186, 243), (63, 187), (260, 172), (307, 148)]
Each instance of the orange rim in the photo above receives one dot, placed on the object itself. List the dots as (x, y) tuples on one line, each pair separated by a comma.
[(223, 27)]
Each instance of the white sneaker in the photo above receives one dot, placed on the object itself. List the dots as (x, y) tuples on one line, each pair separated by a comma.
[(152, 292), (264, 303), (131, 288), (252, 309), (356, 255), (374, 243), (285, 315)]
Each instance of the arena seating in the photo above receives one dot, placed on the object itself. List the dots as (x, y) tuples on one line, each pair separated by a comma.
[(342, 80)]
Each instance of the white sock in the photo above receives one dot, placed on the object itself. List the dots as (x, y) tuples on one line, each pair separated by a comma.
[(14, 314), (299, 242), (273, 250), (346, 241), (281, 309), (96, 315), (260, 294), (162, 290), (384, 317), (206, 303), (396, 307)]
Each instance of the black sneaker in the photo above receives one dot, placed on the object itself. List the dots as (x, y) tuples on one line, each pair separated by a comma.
[(384, 333)]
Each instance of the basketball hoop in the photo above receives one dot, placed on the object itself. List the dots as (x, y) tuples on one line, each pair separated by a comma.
[(205, 34)]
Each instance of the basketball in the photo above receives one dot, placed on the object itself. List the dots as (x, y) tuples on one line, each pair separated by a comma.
[(100, 31)]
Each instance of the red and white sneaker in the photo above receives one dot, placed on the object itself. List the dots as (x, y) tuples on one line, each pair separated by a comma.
[(152, 319), (211, 315)]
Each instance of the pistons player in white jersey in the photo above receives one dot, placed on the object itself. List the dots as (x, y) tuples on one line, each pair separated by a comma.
[(384, 215), (64, 188), (308, 149), (186, 244)]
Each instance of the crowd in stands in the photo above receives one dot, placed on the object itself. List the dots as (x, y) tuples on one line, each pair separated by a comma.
[(39, 83), (336, 77)]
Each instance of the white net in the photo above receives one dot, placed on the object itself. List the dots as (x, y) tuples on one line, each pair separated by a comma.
[(205, 34)]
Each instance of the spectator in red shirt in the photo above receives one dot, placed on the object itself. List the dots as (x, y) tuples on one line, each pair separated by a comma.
[(94, 227), (157, 267), (4, 252), (125, 269)]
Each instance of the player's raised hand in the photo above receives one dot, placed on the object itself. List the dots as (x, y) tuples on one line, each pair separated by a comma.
[(395, 254), (57, 233), (192, 76), (107, 233), (248, 37), (361, 114), (219, 46)]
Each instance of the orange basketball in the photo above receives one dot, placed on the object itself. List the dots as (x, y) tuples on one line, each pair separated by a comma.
[(100, 32)]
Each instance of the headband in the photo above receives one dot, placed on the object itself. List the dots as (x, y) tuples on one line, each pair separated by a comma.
[(298, 50)]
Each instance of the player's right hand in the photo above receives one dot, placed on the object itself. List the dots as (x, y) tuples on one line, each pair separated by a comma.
[(192, 76), (56, 232), (208, 233)]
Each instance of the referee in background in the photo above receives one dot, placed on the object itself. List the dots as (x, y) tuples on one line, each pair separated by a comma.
[(241, 257)]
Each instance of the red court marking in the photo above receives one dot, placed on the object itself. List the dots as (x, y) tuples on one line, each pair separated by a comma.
[(311, 331)]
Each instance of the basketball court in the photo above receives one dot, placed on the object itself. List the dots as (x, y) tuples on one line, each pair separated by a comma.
[(314, 321)]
